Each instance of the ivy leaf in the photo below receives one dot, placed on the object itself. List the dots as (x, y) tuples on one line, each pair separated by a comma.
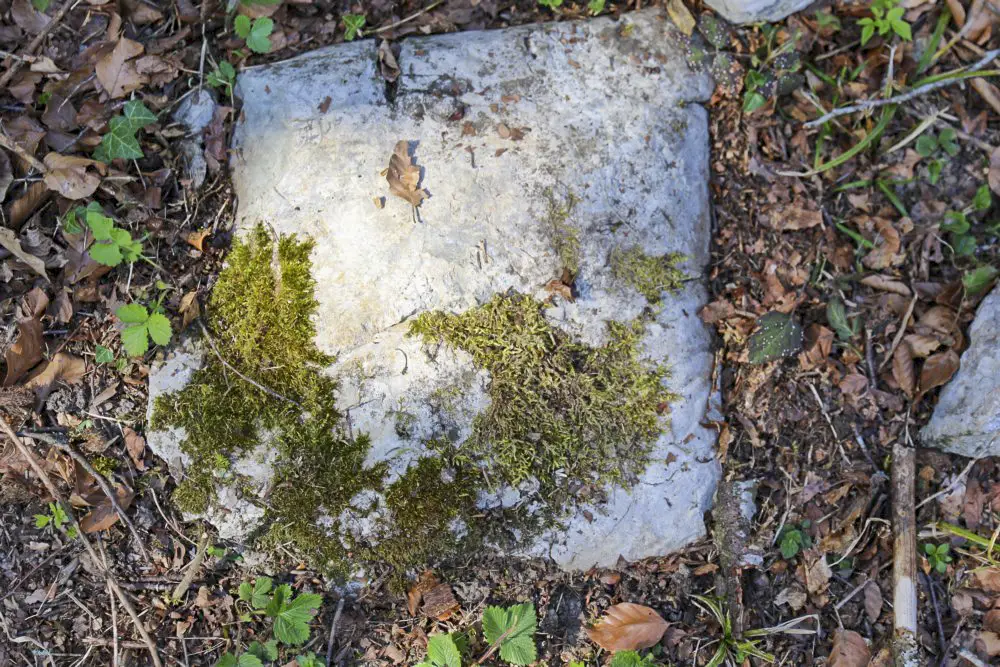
[(514, 628), (291, 625), (120, 141), (137, 115), (443, 652)]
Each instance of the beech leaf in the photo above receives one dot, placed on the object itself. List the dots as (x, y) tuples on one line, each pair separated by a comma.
[(849, 650), (628, 627), (404, 176), (938, 369), (25, 352), (903, 371)]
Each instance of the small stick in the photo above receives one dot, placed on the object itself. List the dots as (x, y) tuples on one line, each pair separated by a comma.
[(101, 482), (16, 65), (269, 392), (192, 572), (905, 97), (905, 648), (28, 456), (902, 331), (942, 642), (333, 631)]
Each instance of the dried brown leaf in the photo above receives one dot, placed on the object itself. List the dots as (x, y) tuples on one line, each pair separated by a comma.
[(681, 16), (994, 175), (69, 177), (873, 601), (197, 239), (415, 595), (628, 627), (63, 367), (886, 284), (938, 369), (25, 352), (27, 17), (990, 643), (135, 445), (887, 244), (6, 174), (849, 650), (104, 515), (794, 217), (9, 240), (404, 176), (189, 308), (116, 71), (921, 345), (903, 369), (987, 578), (21, 208), (386, 62), (818, 345)]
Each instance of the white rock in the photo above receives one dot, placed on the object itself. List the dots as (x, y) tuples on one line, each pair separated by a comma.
[(753, 11), (966, 419), (610, 116)]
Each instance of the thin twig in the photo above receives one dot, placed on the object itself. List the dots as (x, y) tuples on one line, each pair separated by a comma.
[(902, 331), (16, 65), (29, 456), (269, 392), (333, 631), (192, 571), (951, 487), (101, 482), (905, 97), (407, 19), (498, 642), (942, 642)]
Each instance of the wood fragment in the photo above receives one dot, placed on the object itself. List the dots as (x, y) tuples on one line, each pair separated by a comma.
[(905, 648)]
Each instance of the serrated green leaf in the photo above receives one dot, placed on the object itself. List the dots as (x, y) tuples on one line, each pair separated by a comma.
[(58, 515), (137, 115), (103, 355), (242, 25), (135, 340), (42, 520), (443, 652), (257, 40), (227, 660), (260, 595), (249, 660), (271, 650), (278, 599), (514, 628), (308, 660), (245, 591), (106, 253), (291, 625), (159, 329), (132, 313), (778, 335), (627, 659), (100, 225), (978, 279)]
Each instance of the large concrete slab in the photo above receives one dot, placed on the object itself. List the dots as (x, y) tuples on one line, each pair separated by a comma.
[(508, 127), (966, 419)]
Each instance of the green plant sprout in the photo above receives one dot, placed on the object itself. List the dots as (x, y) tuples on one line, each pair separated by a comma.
[(836, 316), (57, 518), (143, 326), (112, 245), (255, 33), (631, 659), (291, 615), (942, 145), (551, 4), (735, 650), (958, 225), (510, 630), (793, 540), (768, 68), (938, 556), (444, 650), (595, 7), (353, 24), (120, 142), (223, 76), (886, 17)]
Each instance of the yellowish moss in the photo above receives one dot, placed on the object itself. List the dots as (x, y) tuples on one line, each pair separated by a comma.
[(565, 235), (561, 412), (650, 275)]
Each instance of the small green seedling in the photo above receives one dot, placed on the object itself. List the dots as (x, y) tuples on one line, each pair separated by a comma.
[(103, 355), (41, 5), (255, 33), (595, 7), (827, 21), (977, 280), (112, 245), (793, 540), (513, 630), (936, 149), (732, 649), (142, 326), (120, 140), (772, 67), (631, 659), (444, 650), (291, 615), (57, 518), (886, 17), (837, 317), (551, 4), (223, 76), (753, 98), (353, 24), (938, 556)]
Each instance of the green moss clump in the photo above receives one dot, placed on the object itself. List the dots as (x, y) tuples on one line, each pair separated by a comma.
[(565, 236), (650, 275), (561, 412)]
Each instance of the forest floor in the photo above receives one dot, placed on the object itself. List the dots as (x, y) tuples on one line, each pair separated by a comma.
[(875, 232)]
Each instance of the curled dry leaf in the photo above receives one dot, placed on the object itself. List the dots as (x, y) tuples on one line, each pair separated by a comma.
[(794, 217), (886, 284), (903, 370), (197, 239), (921, 345), (25, 352), (63, 367), (117, 72), (69, 177), (415, 595), (818, 344), (404, 176), (386, 62), (189, 308), (135, 445), (9, 240), (849, 650), (628, 627), (938, 369), (104, 515), (887, 244), (873, 601)]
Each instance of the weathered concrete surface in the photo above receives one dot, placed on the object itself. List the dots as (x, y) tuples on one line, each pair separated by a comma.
[(753, 11), (966, 419), (609, 117)]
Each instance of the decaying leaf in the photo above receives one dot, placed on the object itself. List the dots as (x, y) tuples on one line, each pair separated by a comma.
[(104, 515), (921, 345), (63, 367), (886, 284), (189, 308), (818, 344), (994, 174), (197, 239), (873, 601), (21, 208), (415, 595), (69, 177), (404, 176), (6, 174), (681, 16), (903, 369), (386, 62), (987, 578), (938, 369), (135, 445), (25, 352), (887, 245), (794, 217), (117, 72), (9, 240), (849, 650), (628, 627)]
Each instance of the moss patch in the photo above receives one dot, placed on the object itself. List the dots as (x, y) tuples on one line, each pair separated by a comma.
[(565, 235), (561, 412), (650, 275)]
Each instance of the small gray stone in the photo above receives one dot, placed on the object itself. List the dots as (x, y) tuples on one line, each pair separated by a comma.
[(196, 111), (966, 419), (753, 11)]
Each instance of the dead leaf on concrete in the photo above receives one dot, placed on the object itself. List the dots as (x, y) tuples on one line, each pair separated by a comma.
[(386, 63), (849, 650), (69, 177), (628, 627), (938, 369), (26, 351), (9, 240), (404, 176), (116, 71)]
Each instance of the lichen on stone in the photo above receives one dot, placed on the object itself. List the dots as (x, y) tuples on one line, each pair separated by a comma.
[(650, 275), (562, 413)]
